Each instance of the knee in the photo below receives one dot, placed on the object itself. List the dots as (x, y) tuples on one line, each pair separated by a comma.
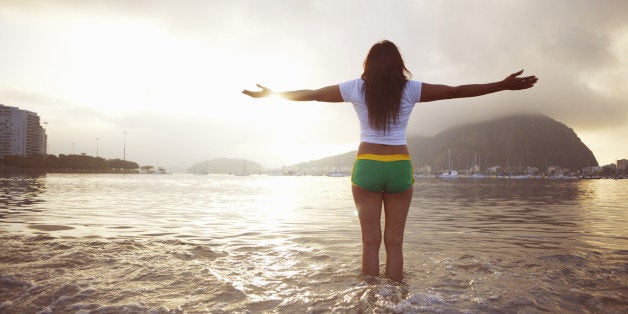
[(391, 240), (373, 239)]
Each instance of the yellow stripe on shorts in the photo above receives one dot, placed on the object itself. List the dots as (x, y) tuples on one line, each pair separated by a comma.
[(394, 157)]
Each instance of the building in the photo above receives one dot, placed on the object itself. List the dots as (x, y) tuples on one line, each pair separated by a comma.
[(21, 133), (622, 164)]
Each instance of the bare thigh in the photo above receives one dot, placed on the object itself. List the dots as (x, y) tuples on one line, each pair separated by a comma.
[(396, 208), (369, 206)]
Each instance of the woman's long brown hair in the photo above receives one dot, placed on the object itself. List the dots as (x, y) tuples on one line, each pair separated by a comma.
[(384, 77)]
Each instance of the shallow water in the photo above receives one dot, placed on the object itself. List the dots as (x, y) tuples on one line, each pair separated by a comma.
[(170, 243)]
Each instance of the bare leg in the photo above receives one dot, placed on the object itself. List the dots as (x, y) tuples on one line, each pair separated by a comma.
[(396, 211), (369, 205)]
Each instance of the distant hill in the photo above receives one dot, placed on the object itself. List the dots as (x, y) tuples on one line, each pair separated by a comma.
[(225, 166), (513, 142), (341, 163)]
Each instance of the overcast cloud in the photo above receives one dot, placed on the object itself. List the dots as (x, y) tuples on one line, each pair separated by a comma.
[(169, 73)]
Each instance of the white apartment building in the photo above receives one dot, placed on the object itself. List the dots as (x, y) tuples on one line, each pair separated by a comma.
[(21, 133)]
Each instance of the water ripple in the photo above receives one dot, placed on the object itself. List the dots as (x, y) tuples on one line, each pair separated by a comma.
[(168, 244)]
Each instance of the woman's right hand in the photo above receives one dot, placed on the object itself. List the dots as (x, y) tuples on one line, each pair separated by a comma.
[(265, 92)]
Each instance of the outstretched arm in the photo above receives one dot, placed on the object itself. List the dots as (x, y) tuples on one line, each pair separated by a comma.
[(326, 94), (432, 92)]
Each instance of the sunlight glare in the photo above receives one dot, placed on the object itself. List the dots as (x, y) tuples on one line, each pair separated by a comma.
[(126, 64), (279, 204)]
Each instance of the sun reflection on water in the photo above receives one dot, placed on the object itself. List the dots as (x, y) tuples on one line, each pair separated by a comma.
[(279, 201), (604, 215)]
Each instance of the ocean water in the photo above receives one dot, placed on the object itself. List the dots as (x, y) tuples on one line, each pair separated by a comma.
[(184, 243)]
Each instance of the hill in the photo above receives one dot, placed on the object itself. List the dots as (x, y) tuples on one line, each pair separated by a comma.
[(514, 142), (225, 166), (66, 164), (511, 142), (340, 163)]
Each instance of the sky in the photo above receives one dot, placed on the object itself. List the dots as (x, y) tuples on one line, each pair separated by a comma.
[(163, 79)]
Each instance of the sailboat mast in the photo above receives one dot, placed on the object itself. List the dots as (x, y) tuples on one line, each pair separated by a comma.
[(449, 159)]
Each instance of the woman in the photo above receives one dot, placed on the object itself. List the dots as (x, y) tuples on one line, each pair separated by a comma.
[(383, 99)]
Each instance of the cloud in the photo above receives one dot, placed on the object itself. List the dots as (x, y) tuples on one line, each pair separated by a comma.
[(569, 46), (577, 48), (52, 109)]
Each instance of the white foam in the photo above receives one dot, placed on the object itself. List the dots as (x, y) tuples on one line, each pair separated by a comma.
[(46, 310), (9, 280), (5, 306), (426, 299)]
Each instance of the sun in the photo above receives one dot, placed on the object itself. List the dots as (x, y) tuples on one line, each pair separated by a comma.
[(128, 67)]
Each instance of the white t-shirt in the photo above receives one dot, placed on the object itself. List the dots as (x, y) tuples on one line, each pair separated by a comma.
[(352, 92)]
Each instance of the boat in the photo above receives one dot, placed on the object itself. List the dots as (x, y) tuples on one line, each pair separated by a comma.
[(478, 176), (451, 174), (338, 174), (422, 176), (243, 173)]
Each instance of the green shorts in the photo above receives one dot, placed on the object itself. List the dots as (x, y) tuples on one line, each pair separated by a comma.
[(383, 173)]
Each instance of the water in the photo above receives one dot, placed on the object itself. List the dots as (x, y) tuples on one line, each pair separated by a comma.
[(183, 243)]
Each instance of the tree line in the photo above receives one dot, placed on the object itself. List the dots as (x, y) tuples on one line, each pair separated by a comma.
[(67, 163)]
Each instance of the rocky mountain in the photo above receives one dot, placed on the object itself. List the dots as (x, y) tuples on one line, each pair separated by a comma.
[(225, 166), (514, 142), (511, 142)]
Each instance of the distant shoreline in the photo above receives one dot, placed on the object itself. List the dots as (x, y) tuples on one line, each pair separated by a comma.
[(78, 171)]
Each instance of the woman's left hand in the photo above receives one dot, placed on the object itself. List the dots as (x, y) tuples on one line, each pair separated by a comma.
[(514, 82), (265, 92)]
